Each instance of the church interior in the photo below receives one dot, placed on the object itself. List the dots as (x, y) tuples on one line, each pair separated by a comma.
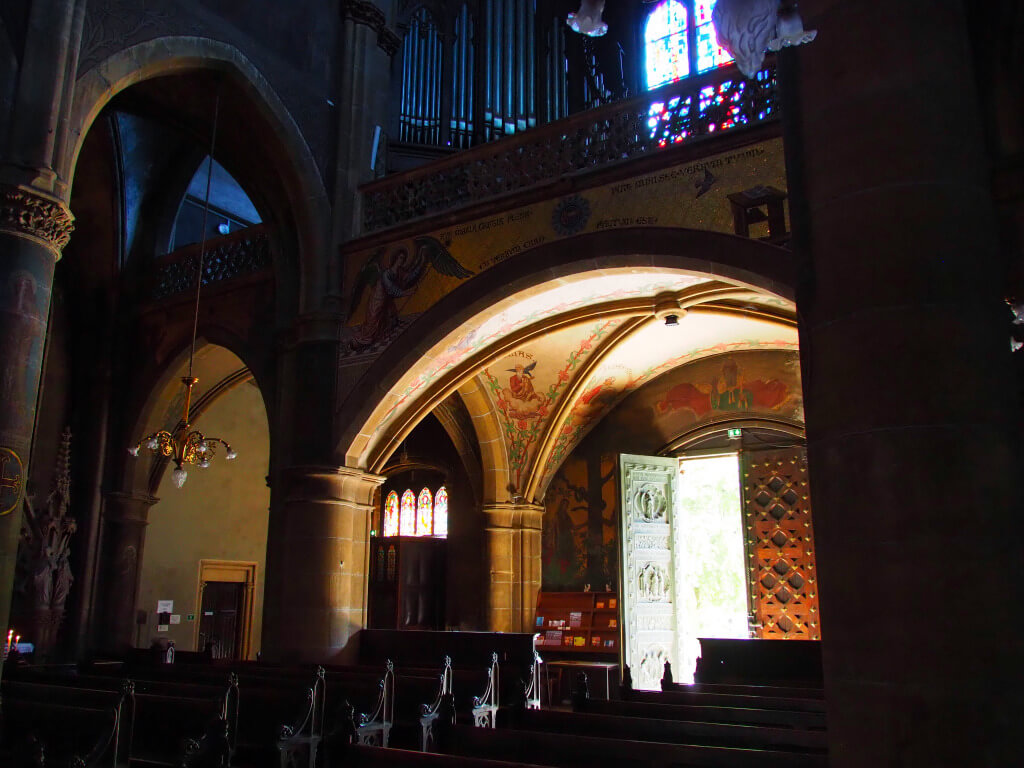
[(486, 383)]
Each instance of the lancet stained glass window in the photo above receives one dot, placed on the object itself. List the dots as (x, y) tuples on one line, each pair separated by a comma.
[(666, 46), (441, 512), (673, 50), (709, 53), (407, 519), (425, 513), (412, 515), (391, 515)]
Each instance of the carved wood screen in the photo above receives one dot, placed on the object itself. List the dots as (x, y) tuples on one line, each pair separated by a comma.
[(783, 578)]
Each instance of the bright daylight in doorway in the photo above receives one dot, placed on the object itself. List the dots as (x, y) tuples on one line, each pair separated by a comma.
[(709, 562)]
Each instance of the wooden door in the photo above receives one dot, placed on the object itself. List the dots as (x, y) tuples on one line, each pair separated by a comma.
[(220, 621), (780, 544), (646, 490)]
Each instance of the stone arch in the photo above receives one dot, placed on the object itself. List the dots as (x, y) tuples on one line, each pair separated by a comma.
[(142, 476), (300, 205), (747, 262)]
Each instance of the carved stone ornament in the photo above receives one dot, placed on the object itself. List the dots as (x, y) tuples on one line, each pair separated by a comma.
[(29, 213), (365, 12)]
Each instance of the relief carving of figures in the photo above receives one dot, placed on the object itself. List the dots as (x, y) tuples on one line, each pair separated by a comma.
[(649, 504), (44, 574), (652, 583)]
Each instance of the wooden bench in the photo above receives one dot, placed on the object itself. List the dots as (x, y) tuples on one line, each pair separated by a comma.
[(81, 726), (684, 696), (671, 731), (706, 713), (358, 756), (572, 751)]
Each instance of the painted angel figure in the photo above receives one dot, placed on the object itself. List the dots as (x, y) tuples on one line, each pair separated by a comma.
[(393, 277)]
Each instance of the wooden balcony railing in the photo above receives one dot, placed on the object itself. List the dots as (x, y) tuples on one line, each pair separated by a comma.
[(688, 110), (239, 253)]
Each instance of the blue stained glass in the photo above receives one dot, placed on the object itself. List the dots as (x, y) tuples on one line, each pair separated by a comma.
[(665, 46), (709, 53)]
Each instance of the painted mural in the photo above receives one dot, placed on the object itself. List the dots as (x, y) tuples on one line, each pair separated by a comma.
[(653, 352), (579, 542), (580, 537), (402, 285), (391, 274), (520, 311), (24, 303), (527, 384)]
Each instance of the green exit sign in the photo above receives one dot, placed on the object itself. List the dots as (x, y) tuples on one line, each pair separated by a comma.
[(735, 433)]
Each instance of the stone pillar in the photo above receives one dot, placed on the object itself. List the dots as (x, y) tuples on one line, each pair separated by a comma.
[(907, 387), (33, 229), (320, 582), (513, 552), (125, 517)]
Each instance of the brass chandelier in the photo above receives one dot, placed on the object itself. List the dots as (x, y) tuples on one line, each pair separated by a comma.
[(185, 445)]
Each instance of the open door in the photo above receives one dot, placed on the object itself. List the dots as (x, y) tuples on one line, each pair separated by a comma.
[(646, 491), (684, 562)]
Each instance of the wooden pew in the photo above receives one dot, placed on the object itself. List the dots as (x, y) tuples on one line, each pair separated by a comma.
[(574, 751), (706, 713), (685, 696), (670, 731), (358, 756), (64, 726)]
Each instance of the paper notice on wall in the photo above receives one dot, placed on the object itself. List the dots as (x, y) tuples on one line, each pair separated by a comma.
[(165, 606), (175, 618), (162, 628)]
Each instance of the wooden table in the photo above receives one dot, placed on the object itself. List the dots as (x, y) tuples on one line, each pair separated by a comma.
[(561, 667)]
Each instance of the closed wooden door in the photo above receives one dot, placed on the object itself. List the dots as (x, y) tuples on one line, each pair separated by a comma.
[(220, 620)]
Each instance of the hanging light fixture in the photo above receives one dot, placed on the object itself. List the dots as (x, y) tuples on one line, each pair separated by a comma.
[(185, 445), (587, 20)]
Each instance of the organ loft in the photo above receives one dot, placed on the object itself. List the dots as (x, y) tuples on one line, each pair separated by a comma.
[(501, 382)]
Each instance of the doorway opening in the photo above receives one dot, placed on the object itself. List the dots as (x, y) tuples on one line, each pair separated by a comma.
[(226, 604), (709, 560)]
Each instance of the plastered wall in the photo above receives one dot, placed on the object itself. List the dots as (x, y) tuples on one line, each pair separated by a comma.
[(220, 513)]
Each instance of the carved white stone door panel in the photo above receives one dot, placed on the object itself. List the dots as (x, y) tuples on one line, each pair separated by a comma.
[(646, 486)]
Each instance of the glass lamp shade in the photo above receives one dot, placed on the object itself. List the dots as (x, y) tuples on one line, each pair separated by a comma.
[(230, 454), (134, 450), (179, 476), (587, 20)]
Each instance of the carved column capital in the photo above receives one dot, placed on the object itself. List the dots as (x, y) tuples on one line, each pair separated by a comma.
[(522, 516), (339, 485), (367, 13), (29, 213)]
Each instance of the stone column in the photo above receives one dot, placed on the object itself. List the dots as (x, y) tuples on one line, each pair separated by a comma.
[(513, 552), (125, 517), (319, 600), (33, 229), (908, 389)]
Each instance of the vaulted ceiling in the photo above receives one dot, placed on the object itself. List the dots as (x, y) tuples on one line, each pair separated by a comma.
[(541, 368)]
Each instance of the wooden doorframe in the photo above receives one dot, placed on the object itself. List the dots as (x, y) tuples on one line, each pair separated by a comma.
[(235, 572)]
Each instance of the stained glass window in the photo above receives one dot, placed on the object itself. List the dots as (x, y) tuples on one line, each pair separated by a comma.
[(665, 44), (667, 41), (441, 512), (709, 53), (425, 513), (391, 515), (407, 518)]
